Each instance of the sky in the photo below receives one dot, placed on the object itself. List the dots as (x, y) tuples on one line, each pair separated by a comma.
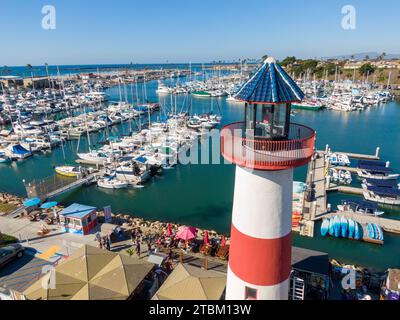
[(157, 31)]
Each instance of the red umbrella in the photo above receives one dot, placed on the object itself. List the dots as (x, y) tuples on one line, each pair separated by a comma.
[(223, 242), (186, 233), (169, 230), (206, 240)]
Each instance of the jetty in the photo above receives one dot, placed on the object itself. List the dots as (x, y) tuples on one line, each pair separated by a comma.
[(54, 186)]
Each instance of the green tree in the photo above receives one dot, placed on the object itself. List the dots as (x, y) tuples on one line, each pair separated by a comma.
[(288, 61), (367, 68)]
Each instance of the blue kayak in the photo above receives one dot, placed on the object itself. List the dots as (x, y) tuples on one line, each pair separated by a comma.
[(336, 226), (371, 231), (325, 227), (357, 229), (343, 226), (378, 232), (331, 226), (351, 228)]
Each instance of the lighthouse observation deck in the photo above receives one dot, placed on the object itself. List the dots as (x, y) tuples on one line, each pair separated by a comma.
[(262, 153)]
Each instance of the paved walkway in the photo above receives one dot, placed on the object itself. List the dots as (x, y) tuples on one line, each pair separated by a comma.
[(50, 247)]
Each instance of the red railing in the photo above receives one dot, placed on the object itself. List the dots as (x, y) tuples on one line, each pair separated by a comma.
[(265, 154)]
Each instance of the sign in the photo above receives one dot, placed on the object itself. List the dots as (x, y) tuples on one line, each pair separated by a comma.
[(107, 214)]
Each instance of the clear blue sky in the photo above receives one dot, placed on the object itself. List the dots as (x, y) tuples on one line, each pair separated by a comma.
[(153, 31)]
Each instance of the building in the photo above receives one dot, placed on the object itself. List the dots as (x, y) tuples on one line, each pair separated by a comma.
[(93, 274), (79, 219), (266, 148), (11, 81), (310, 278), (187, 282)]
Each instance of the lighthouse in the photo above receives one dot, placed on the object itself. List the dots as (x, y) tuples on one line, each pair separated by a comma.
[(265, 147)]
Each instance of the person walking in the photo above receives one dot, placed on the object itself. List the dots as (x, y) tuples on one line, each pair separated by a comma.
[(138, 249), (108, 243)]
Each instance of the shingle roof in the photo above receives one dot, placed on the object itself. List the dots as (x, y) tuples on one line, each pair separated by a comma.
[(270, 84)]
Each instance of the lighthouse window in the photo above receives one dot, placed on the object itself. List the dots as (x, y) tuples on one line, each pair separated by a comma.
[(250, 294)]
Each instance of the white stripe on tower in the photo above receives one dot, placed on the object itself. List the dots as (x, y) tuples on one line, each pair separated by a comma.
[(260, 252)]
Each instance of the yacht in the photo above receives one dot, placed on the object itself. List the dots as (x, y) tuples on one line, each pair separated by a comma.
[(359, 206), (375, 170), (383, 195)]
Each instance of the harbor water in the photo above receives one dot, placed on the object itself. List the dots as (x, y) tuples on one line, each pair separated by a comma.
[(201, 194)]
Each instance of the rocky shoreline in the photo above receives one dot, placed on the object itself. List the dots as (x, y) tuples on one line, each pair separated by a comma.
[(123, 220)]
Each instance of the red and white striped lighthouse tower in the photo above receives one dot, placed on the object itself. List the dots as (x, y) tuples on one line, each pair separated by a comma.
[(265, 148)]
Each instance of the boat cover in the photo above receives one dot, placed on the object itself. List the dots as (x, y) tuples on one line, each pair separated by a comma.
[(18, 149), (372, 163), (384, 191), (377, 169), (382, 183)]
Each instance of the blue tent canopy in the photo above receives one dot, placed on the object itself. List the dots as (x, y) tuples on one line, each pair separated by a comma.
[(270, 85)]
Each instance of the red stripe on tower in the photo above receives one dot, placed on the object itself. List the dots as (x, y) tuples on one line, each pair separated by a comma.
[(262, 262)]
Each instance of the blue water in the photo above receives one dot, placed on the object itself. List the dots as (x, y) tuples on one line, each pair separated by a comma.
[(201, 195)]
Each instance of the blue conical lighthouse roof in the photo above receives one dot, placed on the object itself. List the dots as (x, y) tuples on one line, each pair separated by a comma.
[(270, 85)]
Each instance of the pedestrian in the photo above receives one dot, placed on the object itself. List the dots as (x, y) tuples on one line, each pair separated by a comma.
[(149, 247), (138, 248), (108, 244)]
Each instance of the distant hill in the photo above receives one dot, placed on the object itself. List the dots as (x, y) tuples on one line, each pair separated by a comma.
[(361, 56)]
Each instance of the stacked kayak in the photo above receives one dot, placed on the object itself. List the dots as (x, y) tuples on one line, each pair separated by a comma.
[(341, 227), (374, 231)]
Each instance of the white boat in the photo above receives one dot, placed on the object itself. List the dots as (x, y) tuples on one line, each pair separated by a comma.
[(111, 183), (341, 176), (68, 171), (133, 172), (376, 170), (163, 89), (94, 157), (363, 207), (383, 195)]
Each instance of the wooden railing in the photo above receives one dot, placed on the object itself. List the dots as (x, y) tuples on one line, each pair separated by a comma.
[(266, 154)]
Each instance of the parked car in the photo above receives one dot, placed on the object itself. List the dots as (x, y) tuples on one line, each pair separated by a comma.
[(10, 253)]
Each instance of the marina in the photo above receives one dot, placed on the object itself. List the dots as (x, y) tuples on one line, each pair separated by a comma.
[(142, 197)]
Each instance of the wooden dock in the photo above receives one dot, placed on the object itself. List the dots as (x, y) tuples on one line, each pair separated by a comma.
[(352, 155), (316, 176), (345, 189), (54, 186)]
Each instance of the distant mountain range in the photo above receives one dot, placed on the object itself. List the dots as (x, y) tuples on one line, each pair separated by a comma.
[(361, 56)]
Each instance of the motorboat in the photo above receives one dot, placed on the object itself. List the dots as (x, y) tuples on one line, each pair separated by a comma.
[(360, 206), (68, 171), (383, 195), (341, 176), (375, 170), (108, 182), (338, 159)]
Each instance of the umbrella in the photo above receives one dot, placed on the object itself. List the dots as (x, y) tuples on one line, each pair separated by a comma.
[(169, 230), (186, 233), (223, 242), (206, 240), (48, 205), (31, 202)]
